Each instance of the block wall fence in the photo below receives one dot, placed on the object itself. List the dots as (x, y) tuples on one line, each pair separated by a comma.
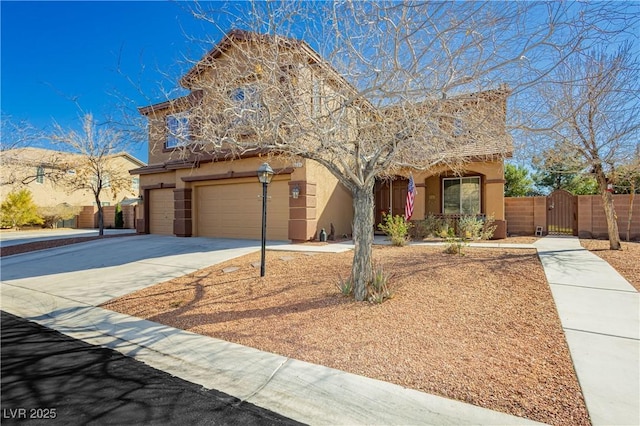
[(525, 214), (88, 217)]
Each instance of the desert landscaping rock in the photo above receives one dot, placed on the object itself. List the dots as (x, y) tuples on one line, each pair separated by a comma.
[(480, 328)]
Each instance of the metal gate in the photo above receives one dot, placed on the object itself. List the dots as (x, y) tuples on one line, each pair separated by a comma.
[(562, 213)]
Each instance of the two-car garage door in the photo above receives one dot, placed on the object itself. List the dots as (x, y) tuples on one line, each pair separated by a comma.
[(234, 210)]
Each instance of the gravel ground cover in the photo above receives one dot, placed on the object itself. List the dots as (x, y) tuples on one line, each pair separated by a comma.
[(480, 328)]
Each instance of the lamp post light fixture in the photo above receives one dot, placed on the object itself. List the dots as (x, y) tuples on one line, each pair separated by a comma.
[(265, 173)]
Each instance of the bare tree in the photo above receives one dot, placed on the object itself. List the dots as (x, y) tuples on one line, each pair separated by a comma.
[(627, 178), (18, 136), (95, 168), (592, 111), (367, 90)]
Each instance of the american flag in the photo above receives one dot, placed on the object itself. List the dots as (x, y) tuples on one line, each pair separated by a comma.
[(411, 195)]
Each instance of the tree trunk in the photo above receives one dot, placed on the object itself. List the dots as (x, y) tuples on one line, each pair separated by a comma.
[(632, 195), (362, 267), (100, 216), (612, 223)]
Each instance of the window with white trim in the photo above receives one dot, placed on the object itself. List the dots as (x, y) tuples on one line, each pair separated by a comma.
[(461, 195), (177, 129)]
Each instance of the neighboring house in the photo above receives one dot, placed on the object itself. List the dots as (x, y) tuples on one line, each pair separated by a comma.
[(46, 174), (188, 192)]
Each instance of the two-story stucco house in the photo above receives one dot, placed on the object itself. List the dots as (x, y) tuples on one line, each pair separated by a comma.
[(47, 175), (216, 193)]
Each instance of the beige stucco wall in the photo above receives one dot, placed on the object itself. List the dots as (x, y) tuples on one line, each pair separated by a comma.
[(334, 203)]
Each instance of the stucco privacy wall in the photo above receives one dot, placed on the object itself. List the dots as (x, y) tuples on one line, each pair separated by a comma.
[(524, 214), (88, 217)]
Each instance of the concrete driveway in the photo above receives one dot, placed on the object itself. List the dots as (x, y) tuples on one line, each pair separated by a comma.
[(93, 272), (11, 237)]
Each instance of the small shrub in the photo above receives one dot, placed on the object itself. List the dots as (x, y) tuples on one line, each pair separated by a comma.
[(470, 227), (476, 228), (489, 228), (454, 244), (430, 226), (345, 286), (379, 289), (419, 230), (396, 228)]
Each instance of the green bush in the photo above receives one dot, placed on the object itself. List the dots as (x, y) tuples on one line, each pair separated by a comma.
[(119, 218), (396, 228), (18, 209)]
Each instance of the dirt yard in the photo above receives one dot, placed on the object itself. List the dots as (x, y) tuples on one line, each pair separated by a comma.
[(480, 328)]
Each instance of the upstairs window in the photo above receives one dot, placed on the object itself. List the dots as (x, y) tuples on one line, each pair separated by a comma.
[(461, 195), (39, 174), (135, 184), (248, 106), (177, 130)]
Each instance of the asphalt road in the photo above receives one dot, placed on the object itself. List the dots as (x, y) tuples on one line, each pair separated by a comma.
[(49, 378)]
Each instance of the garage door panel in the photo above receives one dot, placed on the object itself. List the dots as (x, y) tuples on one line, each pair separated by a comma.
[(235, 210), (161, 211)]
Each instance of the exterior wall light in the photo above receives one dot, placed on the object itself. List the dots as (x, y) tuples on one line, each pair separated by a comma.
[(295, 191)]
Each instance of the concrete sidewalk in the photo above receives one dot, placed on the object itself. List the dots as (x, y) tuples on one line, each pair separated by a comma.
[(600, 315), (65, 298)]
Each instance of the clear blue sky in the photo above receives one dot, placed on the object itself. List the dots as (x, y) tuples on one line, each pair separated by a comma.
[(56, 52)]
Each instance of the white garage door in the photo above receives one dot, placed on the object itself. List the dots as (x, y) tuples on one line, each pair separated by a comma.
[(235, 210), (161, 211)]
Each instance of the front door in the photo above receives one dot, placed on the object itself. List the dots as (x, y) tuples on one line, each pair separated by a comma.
[(390, 197)]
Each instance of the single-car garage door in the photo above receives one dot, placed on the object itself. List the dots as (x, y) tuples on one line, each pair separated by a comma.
[(161, 211), (234, 210)]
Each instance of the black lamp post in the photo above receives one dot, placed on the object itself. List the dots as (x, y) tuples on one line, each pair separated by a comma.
[(265, 173)]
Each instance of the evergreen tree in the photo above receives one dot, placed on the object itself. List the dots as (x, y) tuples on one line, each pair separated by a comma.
[(517, 181)]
